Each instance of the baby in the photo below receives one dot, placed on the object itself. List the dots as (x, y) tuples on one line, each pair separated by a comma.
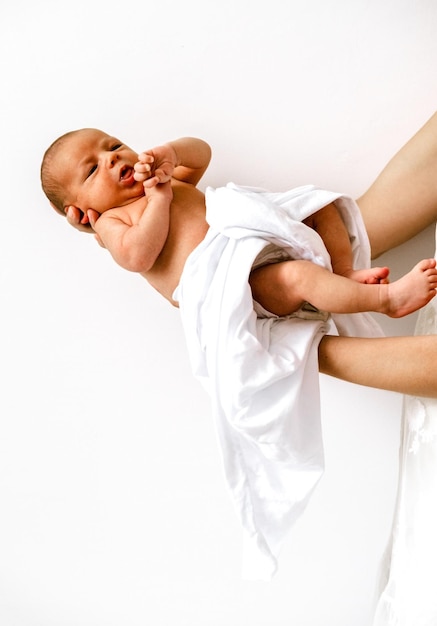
[(243, 283), (147, 211)]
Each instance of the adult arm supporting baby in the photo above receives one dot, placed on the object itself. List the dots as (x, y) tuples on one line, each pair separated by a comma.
[(401, 364)]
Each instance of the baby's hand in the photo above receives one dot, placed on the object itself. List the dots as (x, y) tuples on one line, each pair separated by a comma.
[(155, 166), (162, 191), (143, 167)]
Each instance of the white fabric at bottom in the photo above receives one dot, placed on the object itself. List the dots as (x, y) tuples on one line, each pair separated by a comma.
[(262, 374), (409, 595)]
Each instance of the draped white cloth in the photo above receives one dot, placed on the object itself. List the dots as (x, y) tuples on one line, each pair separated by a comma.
[(409, 588), (262, 373)]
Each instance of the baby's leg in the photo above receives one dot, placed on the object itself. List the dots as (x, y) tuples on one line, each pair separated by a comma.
[(327, 222), (411, 292), (370, 276), (282, 288)]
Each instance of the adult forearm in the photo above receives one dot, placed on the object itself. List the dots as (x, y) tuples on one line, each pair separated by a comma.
[(402, 364), (403, 199)]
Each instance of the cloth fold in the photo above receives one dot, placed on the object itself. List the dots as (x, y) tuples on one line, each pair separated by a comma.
[(408, 572), (262, 373)]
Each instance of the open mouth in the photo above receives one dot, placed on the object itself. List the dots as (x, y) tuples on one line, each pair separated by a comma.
[(126, 174)]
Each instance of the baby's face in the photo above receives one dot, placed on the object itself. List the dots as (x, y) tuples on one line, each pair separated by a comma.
[(96, 170)]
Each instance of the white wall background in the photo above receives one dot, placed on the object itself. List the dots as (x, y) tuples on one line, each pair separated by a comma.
[(113, 510)]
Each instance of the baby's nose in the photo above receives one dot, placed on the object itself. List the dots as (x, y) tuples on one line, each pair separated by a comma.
[(112, 159)]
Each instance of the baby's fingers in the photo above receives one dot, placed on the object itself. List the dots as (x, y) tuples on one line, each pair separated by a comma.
[(145, 157), (142, 171), (159, 177), (163, 174), (151, 182)]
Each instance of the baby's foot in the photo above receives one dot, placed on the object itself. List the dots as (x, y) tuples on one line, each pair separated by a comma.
[(412, 291), (371, 276)]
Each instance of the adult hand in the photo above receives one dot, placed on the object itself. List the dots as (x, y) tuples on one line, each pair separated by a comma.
[(78, 220), (84, 223)]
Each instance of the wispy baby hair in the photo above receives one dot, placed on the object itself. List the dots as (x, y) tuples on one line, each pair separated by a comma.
[(50, 184)]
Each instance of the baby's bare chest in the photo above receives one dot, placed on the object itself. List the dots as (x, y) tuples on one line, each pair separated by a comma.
[(187, 229)]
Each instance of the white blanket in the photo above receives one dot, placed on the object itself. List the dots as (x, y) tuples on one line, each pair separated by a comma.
[(262, 374)]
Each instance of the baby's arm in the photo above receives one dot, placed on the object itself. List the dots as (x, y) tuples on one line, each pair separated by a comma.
[(184, 159), (135, 239)]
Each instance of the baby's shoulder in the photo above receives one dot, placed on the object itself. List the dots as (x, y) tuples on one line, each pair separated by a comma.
[(127, 213)]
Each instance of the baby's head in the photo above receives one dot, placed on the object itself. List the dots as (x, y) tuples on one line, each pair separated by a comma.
[(89, 169)]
